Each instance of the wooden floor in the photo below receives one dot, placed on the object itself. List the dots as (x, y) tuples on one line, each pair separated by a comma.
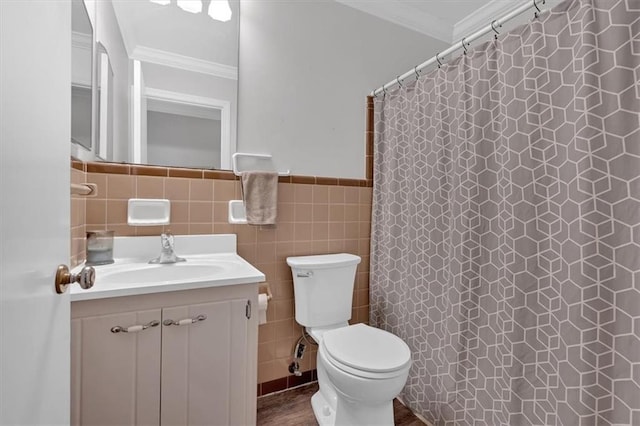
[(293, 408)]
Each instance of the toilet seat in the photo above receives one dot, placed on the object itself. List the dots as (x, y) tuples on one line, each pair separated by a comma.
[(366, 352)]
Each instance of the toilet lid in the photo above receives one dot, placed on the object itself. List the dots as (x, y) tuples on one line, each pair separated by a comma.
[(366, 348)]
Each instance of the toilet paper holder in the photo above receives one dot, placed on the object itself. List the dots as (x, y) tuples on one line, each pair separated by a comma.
[(265, 288)]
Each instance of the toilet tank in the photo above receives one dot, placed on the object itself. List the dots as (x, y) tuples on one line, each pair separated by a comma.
[(323, 287)]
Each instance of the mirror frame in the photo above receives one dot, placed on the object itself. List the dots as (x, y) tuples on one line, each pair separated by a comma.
[(104, 79)]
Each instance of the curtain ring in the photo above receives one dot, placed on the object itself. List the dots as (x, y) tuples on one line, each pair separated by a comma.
[(494, 29), (415, 70), (438, 60), (537, 12), (398, 81), (464, 45)]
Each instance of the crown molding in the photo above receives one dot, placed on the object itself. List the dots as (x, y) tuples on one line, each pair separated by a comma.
[(174, 60), (484, 16), (404, 15)]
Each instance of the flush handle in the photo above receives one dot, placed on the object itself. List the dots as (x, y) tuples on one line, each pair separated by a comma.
[(86, 278), (307, 274)]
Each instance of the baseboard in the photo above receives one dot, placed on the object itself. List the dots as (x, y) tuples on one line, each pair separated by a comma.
[(285, 383)]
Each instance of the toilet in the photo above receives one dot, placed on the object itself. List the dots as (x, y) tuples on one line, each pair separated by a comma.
[(360, 368)]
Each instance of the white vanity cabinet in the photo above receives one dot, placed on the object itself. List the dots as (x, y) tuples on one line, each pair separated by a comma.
[(178, 372), (115, 377)]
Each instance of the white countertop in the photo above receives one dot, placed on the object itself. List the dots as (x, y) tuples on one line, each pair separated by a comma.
[(133, 275)]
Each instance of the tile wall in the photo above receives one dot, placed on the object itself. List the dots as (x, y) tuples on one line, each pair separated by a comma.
[(78, 218), (315, 216)]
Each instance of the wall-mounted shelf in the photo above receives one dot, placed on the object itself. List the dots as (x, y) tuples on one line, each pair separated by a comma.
[(148, 212), (237, 212), (237, 155)]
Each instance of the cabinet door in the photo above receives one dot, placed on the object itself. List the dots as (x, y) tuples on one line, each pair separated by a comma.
[(115, 376), (205, 366)]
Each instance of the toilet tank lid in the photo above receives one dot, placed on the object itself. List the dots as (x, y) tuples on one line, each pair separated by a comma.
[(323, 261)]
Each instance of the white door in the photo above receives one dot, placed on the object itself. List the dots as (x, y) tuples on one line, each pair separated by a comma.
[(35, 103)]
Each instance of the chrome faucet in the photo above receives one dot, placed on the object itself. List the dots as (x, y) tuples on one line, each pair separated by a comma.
[(167, 255)]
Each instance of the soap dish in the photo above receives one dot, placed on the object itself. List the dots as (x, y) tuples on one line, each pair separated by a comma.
[(148, 212), (237, 212)]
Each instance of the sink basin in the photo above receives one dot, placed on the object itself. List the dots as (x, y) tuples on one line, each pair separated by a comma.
[(211, 261), (173, 272)]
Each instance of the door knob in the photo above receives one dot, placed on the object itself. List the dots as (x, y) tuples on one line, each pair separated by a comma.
[(86, 278)]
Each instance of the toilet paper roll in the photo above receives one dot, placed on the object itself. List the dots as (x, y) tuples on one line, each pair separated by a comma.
[(263, 303)]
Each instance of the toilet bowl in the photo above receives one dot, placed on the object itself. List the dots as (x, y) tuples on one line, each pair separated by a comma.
[(360, 368)]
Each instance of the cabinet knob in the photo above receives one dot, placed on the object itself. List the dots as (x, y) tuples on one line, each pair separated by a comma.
[(86, 278)]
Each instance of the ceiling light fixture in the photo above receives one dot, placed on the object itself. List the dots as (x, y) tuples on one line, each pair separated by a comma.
[(220, 10)]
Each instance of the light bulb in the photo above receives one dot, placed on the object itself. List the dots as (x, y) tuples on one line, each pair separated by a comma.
[(193, 6), (220, 10)]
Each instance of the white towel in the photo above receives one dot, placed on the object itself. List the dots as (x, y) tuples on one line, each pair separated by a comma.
[(260, 196)]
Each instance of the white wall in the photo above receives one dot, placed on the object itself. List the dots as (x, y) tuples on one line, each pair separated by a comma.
[(177, 140), (108, 33), (306, 68)]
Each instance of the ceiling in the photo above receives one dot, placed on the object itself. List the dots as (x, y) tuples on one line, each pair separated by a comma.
[(170, 29), (446, 20)]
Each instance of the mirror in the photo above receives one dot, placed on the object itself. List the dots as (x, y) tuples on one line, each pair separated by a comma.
[(184, 134), (81, 74), (181, 81)]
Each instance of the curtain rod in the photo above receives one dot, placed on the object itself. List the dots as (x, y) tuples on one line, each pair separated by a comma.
[(462, 44)]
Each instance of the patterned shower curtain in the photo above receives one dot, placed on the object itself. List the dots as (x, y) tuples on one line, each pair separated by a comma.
[(506, 224)]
